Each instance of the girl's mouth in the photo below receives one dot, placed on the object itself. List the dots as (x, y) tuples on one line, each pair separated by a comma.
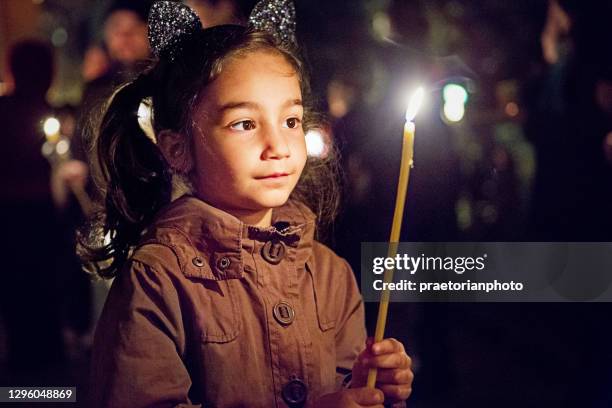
[(273, 176)]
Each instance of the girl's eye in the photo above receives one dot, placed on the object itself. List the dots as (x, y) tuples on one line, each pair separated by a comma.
[(293, 123), (243, 125)]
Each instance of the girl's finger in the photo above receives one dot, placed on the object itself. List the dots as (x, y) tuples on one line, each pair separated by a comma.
[(393, 360), (363, 357), (395, 376), (389, 345), (395, 393)]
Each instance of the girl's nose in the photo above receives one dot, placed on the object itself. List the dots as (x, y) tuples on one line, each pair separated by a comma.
[(276, 144)]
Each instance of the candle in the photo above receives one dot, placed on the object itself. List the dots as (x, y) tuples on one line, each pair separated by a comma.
[(402, 186)]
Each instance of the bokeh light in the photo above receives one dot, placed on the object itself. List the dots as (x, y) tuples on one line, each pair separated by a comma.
[(51, 127), (62, 147), (315, 143), (455, 97)]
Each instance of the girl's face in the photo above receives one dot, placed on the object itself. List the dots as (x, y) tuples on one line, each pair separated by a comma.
[(249, 145)]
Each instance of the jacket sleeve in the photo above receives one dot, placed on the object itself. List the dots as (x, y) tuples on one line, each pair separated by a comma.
[(139, 344), (350, 325)]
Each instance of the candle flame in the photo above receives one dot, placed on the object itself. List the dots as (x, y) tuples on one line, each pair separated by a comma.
[(416, 100)]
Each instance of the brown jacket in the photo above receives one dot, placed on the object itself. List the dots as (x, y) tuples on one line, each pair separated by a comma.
[(211, 312)]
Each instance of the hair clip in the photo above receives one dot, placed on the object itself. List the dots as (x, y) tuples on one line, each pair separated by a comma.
[(276, 17), (171, 23)]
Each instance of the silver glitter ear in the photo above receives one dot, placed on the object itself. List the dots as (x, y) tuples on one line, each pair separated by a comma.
[(276, 17), (169, 24)]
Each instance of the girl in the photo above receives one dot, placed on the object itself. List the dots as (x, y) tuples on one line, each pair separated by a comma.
[(222, 297)]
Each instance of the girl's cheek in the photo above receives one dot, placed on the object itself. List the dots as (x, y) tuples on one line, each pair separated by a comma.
[(302, 160), (301, 149)]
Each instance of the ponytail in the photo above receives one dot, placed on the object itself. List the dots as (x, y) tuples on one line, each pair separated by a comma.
[(133, 179)]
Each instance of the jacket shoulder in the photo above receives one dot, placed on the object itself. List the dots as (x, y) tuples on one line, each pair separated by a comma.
[(156, 254), (169, 247), (162, 252)]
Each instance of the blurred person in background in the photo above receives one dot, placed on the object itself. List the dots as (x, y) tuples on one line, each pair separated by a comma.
[(29, 293), (122, 55), (569, 123), (125, 45), (95, 63)]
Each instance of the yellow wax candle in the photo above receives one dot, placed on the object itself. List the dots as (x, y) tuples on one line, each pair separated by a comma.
[(398, 215)]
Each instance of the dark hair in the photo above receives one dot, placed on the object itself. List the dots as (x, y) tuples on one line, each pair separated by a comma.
[(130, 172)]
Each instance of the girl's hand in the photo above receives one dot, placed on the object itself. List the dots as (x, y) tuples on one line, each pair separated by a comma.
[(352, 398), (394, 369)]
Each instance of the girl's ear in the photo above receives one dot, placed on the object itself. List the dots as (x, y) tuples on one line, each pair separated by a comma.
[(175, 148)]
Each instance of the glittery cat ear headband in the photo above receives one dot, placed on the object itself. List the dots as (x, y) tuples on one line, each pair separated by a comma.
[(171, 23)]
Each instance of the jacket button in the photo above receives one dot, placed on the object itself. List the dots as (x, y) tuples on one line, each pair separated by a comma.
[(294, 393), (224, 263), (284, 313), (273, 252), (197, 261)]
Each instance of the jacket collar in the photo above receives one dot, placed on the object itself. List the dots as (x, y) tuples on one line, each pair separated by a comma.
[(209, 242)]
